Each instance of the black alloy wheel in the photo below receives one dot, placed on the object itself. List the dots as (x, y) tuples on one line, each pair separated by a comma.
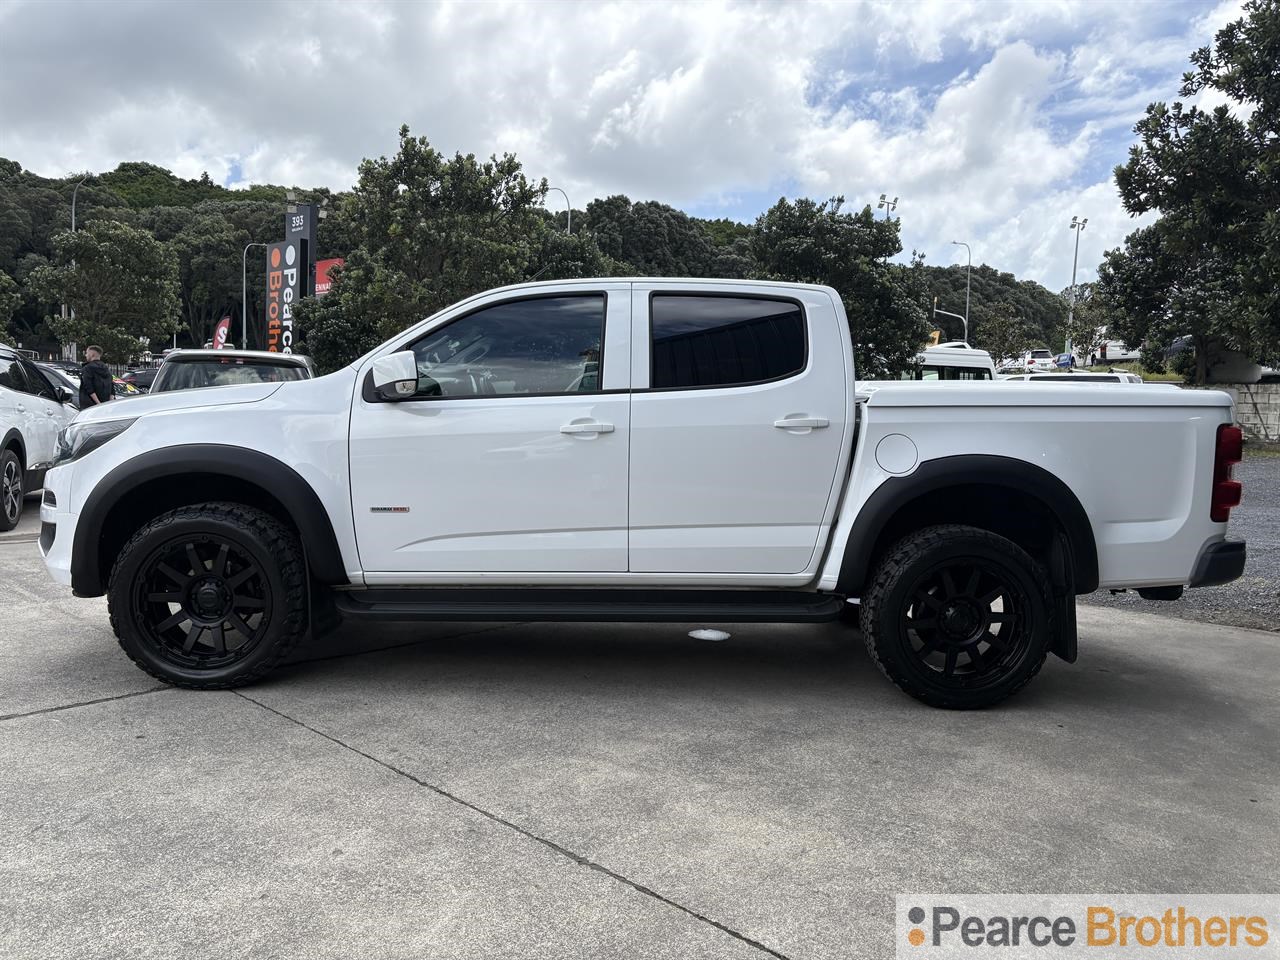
[(210, 596), (10, 490), (202, 602), (958, 617)]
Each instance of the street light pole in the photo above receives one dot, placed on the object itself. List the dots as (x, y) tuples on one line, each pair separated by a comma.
[(967, 274), (568, 225), (887, 205), (1078, 226), (244, 295), (73, 230)]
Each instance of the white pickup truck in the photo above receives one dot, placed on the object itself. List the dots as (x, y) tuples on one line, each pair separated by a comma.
[(691, 451)]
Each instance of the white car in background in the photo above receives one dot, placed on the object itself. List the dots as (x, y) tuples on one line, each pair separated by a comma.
[(1034, 360), (32, 412), (1115, 376)]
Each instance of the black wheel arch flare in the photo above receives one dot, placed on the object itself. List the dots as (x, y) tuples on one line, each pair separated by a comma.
[(274, 477), (970, 470)]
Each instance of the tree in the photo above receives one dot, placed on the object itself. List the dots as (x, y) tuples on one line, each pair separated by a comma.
[(1003, 333), (1044, 312), (1094, 317), (429, 231), (654, 239), (1214, 177), (10, 300), (121, 283), (207, 250), (813, 242)]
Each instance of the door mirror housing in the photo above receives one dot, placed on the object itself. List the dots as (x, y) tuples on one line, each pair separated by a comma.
[(395, 377), (64, 395)]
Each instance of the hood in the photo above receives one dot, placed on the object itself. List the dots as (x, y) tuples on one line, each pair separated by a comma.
[(140, 406)]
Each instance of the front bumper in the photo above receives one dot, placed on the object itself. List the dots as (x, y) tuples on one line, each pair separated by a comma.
[(57, 525), (1219, 562)]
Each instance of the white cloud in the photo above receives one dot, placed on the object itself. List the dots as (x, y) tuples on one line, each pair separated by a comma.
[(993, 121)]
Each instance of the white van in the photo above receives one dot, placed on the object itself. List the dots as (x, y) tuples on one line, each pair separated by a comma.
[(955, 360)]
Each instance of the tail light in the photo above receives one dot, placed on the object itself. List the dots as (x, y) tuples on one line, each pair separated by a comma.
[(1227, 453)]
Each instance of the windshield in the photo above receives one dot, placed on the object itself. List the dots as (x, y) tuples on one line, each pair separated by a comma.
[(1041, 354), (188, 374)]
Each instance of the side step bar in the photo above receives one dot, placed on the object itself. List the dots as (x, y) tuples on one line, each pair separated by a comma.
[(603, 606)]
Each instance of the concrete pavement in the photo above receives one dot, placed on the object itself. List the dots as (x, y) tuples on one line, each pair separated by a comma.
[(602, 790)]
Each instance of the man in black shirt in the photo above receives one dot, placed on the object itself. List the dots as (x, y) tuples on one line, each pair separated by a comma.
[(96, 382)]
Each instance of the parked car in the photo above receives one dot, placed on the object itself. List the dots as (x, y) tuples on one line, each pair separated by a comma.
[(1065, 361), (1114, 351), (32, 412), (60, 379), (1038, 360), (629, 450), (189, 369), (140, 379), (1115, 376)]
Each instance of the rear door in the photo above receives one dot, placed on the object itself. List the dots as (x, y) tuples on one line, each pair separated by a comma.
[(740, 419)]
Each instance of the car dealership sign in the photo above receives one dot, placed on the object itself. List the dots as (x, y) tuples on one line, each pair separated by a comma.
[(284, 289)]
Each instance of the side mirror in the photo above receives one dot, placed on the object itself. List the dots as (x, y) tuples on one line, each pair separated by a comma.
[(64, 395), (395, 377)]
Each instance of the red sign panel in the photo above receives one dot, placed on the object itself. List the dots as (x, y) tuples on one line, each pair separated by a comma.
[(322, 274), (221, 332)]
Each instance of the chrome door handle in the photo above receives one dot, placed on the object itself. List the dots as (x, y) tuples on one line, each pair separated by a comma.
[(793, 423), (21, 408), (592, 427)]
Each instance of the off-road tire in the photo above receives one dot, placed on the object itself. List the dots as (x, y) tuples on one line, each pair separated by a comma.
[(884, 607), (265, 540)]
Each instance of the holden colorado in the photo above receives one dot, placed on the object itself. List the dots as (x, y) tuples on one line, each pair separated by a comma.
[(689, 451)]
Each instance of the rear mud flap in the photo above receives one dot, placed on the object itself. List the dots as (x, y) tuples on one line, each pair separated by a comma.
[(1063, 643)]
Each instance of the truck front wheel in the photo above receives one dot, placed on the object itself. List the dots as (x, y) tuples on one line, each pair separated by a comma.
[(958, 617), (209, 596)]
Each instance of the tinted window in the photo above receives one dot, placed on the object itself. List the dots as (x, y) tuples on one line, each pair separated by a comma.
[(545, 346), (36, 382), (724, 341), (11, 375)]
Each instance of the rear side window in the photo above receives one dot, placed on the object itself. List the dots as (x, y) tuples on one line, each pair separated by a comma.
[(709, 341), (11, 375)]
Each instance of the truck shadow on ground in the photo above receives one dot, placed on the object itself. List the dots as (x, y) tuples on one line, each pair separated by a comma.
[(759, 660)]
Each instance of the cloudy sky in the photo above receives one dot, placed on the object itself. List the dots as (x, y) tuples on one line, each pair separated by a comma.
[(994, 123)]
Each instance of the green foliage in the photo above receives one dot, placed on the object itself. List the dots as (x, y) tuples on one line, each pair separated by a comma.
[(146, 185), (655, 240), (813, 242), (1003, 332), (121, 283), (10, 300), (429, 231), (991, 290), (1095, 318), (1210, 266)]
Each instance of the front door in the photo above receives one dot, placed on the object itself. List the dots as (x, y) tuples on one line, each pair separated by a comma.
[(739, 421), (512, 455)]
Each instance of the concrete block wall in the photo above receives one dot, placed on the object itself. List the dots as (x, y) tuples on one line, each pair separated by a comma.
[(1257, 408)]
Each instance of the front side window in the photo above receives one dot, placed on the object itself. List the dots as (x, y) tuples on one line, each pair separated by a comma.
[(711, 341), (548, 345)]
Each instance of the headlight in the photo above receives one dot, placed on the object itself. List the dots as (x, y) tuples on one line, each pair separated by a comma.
[(77, 439)]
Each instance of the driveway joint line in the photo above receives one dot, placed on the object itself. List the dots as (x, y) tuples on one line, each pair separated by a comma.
[(84, 703), (501, 821)]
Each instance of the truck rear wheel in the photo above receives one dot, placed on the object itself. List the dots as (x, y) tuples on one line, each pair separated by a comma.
[(209, 596), (958, 617)]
